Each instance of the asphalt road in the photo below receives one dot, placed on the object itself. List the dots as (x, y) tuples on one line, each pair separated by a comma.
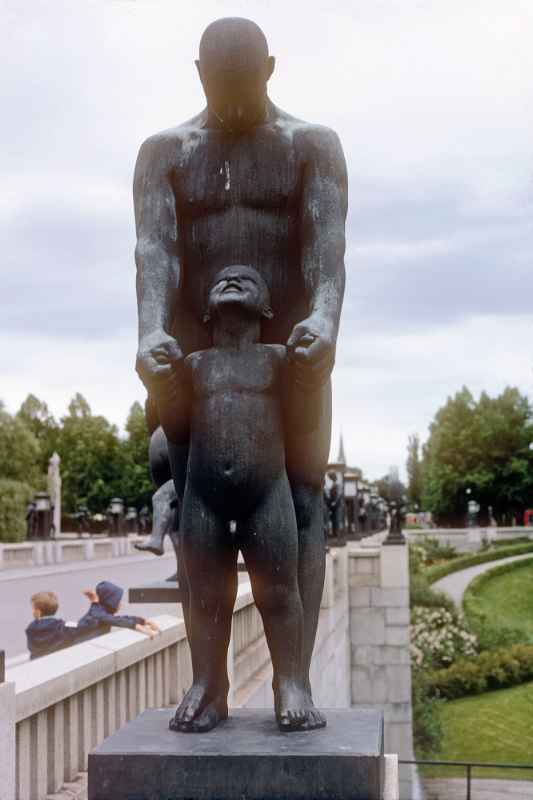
[(68, 582)]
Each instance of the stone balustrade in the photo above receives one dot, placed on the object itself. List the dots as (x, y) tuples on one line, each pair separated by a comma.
[(468, 540), (59, 551), (54, 710)]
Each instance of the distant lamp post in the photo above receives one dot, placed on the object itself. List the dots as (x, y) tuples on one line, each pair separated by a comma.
[(115, 514), (43, 513), (350, 502)]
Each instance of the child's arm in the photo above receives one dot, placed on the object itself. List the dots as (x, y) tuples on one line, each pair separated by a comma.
[(173, 399)]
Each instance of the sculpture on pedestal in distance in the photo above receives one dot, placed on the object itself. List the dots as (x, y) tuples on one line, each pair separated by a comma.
[(244, 183)]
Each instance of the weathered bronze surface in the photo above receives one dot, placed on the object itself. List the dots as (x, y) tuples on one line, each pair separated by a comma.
[(243, 183)]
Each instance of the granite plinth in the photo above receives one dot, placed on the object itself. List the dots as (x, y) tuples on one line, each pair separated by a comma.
[(244, 758)]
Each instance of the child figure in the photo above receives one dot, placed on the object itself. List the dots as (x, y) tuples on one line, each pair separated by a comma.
[(46, 633), (232, 402), (103, 612)]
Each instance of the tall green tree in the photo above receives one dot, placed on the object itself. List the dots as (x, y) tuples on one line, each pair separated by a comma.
[(136, 485), (92, 462), (20, 476), (20, 452), (414, 471), (35, 414), (482, 446)]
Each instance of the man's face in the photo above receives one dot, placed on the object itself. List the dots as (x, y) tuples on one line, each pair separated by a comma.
[(36, 614), (236, 98)]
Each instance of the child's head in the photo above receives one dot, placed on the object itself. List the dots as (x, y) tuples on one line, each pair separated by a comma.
[(239, 286), (44, 604), (110, 596)]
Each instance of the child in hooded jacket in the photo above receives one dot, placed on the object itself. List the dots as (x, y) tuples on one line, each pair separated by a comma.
[(103, 612), (46, 633)]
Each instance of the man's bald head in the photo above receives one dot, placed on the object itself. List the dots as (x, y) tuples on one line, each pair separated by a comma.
[(234, 68), (233, 44)]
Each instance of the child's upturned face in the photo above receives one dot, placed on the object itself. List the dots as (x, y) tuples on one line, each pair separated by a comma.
[(36, 613), (238, 286)]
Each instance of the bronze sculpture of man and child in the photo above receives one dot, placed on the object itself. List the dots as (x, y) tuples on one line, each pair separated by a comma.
[(240, 216)]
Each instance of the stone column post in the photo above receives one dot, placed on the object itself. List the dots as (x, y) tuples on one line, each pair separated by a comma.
[(7, 740), (54, 490)]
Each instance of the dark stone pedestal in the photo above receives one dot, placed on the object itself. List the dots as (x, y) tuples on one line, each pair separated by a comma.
[(245, 758)]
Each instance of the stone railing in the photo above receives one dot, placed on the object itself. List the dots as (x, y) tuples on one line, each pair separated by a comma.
[(38, 554), (59, 707), (468, 540)]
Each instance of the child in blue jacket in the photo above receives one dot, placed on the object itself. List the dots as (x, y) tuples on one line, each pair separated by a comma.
[(46, 633), (103, 612)]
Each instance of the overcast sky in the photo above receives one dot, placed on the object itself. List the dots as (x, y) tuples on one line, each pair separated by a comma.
[(433, 101)]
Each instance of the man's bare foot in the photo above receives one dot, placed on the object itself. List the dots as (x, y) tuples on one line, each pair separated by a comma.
[(199, 711), (291, 705), (153, 545)]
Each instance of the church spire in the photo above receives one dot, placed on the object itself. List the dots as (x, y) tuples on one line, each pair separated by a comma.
[(341, 458)]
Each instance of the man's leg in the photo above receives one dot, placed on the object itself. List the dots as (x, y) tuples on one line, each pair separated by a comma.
[(307, 458), (210, 562)]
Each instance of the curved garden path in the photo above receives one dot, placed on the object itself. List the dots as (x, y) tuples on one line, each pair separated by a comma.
[(455, 585)]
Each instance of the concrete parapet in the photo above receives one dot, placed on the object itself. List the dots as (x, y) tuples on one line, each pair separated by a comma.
[(7, 741), (37, 554)]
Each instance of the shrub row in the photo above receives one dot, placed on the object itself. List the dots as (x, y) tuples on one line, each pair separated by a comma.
[(495, 669), (441, 570)]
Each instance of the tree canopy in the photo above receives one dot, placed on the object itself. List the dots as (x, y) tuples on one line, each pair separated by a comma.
[(483, 446)]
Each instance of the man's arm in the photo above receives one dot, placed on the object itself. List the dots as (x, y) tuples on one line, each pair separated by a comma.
[(322, 219), (156, 256)]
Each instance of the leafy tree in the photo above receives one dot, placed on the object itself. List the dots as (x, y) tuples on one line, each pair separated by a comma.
[(92, 463), (482, 446), (414, 470), (136, 486), (35, 414), (19, 451), (14, 498)]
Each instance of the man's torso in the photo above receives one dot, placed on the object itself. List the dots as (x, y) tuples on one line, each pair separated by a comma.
[(238, 201)]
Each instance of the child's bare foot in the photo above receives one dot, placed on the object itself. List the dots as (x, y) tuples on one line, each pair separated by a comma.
[(199, 711), (291, 705)]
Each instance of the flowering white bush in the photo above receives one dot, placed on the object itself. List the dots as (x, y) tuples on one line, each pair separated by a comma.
[(417, 557), (438, 637)]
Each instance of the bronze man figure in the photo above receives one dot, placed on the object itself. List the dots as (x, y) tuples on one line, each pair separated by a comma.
[(243, 182)]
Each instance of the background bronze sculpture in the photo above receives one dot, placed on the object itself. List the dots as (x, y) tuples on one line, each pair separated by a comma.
[(243, 182)]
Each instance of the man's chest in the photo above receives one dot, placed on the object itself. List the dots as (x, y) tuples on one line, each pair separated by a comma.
[(261, 172)]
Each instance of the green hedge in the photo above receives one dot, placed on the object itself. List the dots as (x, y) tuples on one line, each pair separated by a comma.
[(441, 570), (490, 670), (14, 497)]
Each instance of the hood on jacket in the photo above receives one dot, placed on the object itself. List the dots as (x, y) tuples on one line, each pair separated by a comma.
[(109, 595)]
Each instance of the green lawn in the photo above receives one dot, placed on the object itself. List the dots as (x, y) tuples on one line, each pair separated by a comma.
[(507, 599), (492, 727)]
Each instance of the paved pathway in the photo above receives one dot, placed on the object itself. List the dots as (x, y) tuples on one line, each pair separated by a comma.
[(455, 584)]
